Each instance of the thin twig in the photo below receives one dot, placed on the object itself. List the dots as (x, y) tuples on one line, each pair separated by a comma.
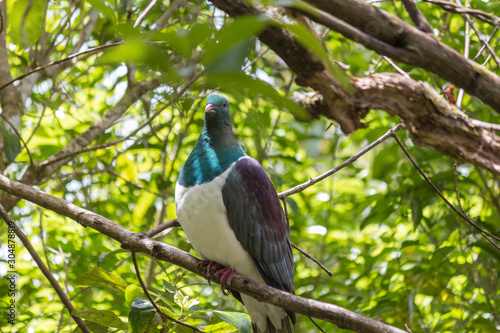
[(145, 12), (460, 95), (46, 272), (164, 226), (481, 231), (32, 163), (163, 316), (484, 46), (298, 248), (485, 125), (481, 39), (457, 8), (70, 57), (313, 259), (396, 67), (350, 160)]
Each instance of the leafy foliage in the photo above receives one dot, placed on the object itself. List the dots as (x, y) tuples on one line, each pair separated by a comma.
[(397, 253)]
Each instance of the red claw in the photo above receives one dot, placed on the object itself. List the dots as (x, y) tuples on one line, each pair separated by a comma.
[(215, 269)]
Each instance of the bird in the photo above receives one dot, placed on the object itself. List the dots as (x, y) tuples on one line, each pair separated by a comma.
[(230, 212)]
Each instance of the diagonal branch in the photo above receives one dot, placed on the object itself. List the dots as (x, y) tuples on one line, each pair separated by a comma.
[(431, 121), (417, 17), (57, 62), (452, 7), (36, 173), (138, 242), (46, 272), (10, 99), (350, 160)]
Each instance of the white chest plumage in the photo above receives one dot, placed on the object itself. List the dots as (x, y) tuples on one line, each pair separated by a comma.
[(203, 217)]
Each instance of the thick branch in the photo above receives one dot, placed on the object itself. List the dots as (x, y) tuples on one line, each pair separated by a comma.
[(425, 51), (417, 17), (430, 120), (35, 174), (10, 99), (379, 31), (140, 243)]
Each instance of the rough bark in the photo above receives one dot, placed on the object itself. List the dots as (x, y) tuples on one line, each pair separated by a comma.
[(431, 121), (10, 98)]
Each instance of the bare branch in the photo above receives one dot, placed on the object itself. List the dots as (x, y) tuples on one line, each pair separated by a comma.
[(417, 17), (307, 255), (46, 272), (162, 227), (145, 12), (70, 57), (402, 42), (10, 99), (484, 233), (452, 7), (163, 316), (350, 160), (140, 243)]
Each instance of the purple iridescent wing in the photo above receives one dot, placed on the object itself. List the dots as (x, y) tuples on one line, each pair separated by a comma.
[(256, 216)]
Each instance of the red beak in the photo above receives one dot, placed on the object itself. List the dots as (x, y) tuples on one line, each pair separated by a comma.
[(209, 107)]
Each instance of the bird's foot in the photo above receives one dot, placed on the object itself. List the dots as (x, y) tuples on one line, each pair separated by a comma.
[(211, 266), (226, 278), (215, 269)]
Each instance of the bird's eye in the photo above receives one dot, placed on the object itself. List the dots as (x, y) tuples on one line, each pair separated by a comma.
[(224, 105)]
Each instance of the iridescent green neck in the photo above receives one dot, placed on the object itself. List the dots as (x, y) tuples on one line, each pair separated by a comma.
[(215, 150)]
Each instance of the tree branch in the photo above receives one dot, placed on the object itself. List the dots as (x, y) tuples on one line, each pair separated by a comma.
[(35, 174), (350, 160), (452, 7), (45, 271), (417, 17), (138, 242), (10, 99), (57, 62), (431, 121)]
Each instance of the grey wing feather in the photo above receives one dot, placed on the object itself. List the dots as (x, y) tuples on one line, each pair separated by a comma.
[(256, 216)]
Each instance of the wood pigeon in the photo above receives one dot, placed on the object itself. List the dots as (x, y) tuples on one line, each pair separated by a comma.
[(231, 214)]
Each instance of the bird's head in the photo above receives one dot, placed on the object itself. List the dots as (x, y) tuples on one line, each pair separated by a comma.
[(217, 111)]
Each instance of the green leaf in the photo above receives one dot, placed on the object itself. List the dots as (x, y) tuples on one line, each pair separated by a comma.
[(186, 40), (102, 317), (240, 81), (27, 21), (218, 326), (131, 293), (93, 327), (168, 287), (142, 317), (236, 34), (236, 319), (100, 278), (104, 8), (12, 144)]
